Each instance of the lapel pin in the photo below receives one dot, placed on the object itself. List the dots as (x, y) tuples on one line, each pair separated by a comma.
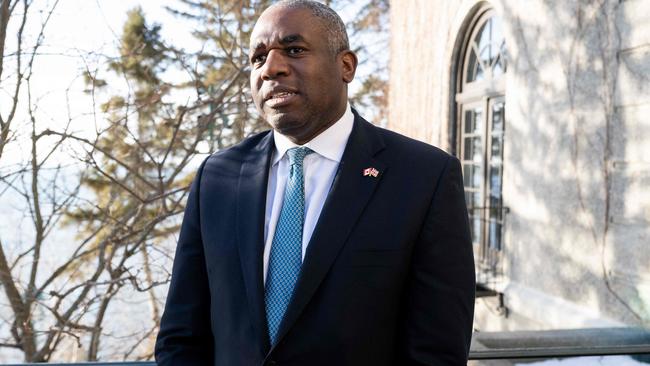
[(372, 172)]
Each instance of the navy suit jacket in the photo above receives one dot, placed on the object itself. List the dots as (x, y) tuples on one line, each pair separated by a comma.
[(387, 279)]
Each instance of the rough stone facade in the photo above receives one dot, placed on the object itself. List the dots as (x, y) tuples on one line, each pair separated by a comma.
[(577, 149)]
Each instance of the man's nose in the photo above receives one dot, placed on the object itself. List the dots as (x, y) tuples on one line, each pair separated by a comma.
[(275, 65)]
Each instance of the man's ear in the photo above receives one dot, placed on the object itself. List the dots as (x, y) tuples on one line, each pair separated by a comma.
[(349, 65)]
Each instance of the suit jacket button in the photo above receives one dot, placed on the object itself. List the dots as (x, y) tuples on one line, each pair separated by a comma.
[(271, 363)]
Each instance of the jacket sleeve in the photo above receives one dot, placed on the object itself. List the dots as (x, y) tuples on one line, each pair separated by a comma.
[(185, 336), (439, 308)]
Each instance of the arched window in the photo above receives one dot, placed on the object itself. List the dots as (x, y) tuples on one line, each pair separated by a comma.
[(479, 131)]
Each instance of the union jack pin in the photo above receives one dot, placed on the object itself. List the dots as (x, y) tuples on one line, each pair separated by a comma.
[(371, 172)]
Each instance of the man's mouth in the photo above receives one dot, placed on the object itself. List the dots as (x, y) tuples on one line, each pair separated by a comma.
[(280, 99)]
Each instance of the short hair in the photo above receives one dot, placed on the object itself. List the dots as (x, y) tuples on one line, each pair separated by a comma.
[(337, 35)]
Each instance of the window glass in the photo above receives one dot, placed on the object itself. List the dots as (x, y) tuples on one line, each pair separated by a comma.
[(486, 51)]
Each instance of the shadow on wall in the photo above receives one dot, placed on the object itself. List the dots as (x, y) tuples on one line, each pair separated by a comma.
[(579, 226)]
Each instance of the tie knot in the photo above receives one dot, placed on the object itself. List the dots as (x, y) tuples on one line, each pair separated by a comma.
[(297, 154)]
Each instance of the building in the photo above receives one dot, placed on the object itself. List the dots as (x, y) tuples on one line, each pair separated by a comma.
[(547, 105)]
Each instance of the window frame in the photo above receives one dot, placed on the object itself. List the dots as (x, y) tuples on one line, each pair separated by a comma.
[(484, 94)]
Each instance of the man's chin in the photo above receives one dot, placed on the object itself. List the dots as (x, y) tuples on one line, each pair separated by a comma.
[(285, 122)]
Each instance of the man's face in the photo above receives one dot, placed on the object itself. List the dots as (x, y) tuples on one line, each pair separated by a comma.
[(298, 85)]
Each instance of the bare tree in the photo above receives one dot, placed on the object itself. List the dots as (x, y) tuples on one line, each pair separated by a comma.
[(7, 9), (132, 184), (44, 204)]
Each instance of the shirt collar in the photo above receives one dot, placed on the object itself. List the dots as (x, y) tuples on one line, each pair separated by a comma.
[(329, 143)]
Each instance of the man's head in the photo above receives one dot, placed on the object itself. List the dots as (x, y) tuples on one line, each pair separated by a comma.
[(300, 67)]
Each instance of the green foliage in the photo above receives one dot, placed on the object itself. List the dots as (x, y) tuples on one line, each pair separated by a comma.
[(373, 17), (368, 33), (92, 81), (141, 50), (137, 178), (373, 95)]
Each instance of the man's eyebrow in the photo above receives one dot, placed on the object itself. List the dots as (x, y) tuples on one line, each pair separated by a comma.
[(258, 46), (292, 38)]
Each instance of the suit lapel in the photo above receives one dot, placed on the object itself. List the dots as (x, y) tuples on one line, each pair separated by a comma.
[(350, 193), (250, 230)]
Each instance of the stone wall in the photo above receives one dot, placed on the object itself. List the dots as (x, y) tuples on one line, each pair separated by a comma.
[(577, 149)]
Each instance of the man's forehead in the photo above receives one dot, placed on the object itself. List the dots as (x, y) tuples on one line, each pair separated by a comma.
[(282, 25)]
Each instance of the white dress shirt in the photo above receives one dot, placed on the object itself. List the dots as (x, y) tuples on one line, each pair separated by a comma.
[(319, 169)]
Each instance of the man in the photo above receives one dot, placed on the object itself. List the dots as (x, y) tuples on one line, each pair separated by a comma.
[(327, 241)]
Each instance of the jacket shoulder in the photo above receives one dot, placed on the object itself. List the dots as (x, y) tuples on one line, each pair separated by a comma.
[(241, 149), (233, 156)]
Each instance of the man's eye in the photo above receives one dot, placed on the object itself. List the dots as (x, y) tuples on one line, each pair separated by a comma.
[(258, 59), (295, 50)]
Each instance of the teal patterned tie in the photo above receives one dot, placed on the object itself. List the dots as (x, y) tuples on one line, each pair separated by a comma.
[(286, 249)]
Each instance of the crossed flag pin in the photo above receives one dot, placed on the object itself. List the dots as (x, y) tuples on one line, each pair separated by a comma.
[(372, 172)]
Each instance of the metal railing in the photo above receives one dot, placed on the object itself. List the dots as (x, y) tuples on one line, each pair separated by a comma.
[(560, 343), (489, 253), (523, 344)]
